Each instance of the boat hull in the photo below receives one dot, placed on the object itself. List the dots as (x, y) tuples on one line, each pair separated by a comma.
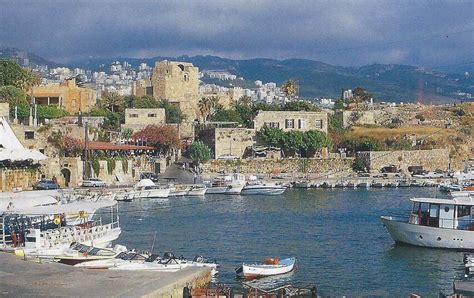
[(417, 235), (225, 190), (197, 192), (152, 193), (256, 271), (262, 190)]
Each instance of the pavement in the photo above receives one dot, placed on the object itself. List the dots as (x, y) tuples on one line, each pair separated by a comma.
[(28, 278)]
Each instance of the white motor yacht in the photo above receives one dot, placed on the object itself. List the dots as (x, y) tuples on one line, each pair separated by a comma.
[(255, 187), (197, 190), (227, 185), (147, 189), (439, 223)]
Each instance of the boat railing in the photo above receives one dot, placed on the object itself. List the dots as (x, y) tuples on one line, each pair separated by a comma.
[(67, 235)]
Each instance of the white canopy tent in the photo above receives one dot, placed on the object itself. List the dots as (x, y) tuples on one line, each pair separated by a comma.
[(12, 149)]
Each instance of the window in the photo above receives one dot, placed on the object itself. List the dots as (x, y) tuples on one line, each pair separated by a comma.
[(290, 123), (319, 124), (133, 115), (29, 135), (464, 211), (301, 123), (186, 78), (272, 124), (151, 115)]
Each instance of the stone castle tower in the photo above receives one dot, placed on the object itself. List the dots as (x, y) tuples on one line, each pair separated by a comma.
[(178, 83)]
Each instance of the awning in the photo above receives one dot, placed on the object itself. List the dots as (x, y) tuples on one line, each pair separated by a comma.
[(67, 208), (93, 145)]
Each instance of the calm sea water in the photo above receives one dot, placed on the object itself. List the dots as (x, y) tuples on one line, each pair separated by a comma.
[(337, 236)]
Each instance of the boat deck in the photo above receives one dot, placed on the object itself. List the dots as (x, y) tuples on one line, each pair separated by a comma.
[(27, 278)]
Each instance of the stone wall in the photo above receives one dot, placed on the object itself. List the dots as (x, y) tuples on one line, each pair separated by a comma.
[(232, 141), (314, 166), (430, 160), (4, 110), (300, 120), (25, 179)]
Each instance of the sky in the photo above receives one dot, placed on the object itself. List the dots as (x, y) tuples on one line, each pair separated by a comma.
[(348, 33)]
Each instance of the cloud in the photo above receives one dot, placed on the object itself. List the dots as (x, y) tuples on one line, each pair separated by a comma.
[(337, 32)]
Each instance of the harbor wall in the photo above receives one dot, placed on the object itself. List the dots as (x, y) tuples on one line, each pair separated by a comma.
[(22, 178), (323, 166), (430, 160)]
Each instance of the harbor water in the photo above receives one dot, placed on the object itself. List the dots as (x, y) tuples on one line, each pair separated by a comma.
[(336, 235)]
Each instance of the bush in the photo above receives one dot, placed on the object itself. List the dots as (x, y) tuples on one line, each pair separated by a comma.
[(199, 152), (420, 117), (360, 165)]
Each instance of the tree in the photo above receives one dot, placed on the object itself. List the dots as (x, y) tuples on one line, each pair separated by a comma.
[(243, 106), (113, 102), (51, 112), (360, 164), (208, 106), (227, 115), (361, 95), (293, 142), (67, 145), (339, 104), (173, 112), (164, 137), (12, 74), (290, 88), (199, 152), (271, 136), (144, 102), (315, 140), (301, 106), (13, 95)]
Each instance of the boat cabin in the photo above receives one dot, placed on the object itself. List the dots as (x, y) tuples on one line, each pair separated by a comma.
[(454, 213)]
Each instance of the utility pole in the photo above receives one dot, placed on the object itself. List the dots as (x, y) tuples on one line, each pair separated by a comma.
[(86, 140)]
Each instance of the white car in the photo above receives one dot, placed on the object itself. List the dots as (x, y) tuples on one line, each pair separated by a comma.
[(93, 182)]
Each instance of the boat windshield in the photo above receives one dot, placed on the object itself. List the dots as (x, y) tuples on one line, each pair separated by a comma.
[(448, 216), (152, 258)]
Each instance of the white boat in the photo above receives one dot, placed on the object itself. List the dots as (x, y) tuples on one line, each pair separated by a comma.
[(79, 253), (45, 231), (227, 185), (118, 260), (166, 265), (462, 193), (263, 188), (177, 190), (269, 267), (302, 184), (197, 190), (147, 189), (438, 223)]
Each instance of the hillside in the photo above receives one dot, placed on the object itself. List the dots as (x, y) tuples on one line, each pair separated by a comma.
[(387, 82), (19, 55), (317, 79)]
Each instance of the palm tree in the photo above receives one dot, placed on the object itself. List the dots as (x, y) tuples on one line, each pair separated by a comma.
[(208, 106), (113, 102), (290, 88)]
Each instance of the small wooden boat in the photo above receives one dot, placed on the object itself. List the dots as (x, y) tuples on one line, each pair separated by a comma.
[(270, 267)]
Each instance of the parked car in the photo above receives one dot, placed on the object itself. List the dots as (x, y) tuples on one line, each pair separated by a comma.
[(93, 182), (45, 184)]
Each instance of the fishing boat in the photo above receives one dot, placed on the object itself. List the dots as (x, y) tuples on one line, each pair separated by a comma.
[(263, 188), (227, 185), (197, 190), (118, 260), (269, 267), (46, 231), (147, 189), (78, 253), (438, 223)]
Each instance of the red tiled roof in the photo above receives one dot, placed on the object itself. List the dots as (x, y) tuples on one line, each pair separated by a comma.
[(92, 145)]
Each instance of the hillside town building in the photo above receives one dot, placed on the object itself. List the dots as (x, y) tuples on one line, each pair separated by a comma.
[(292, 120), (137, 119), (67, 95)]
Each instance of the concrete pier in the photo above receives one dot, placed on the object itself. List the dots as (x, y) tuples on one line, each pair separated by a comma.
[(27, 278)]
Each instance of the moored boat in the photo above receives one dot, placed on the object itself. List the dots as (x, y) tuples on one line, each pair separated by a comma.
[(147, 189), (438, 223), (227, 185), (197, 190), (269, 267), (78, 253), (263, 188)]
